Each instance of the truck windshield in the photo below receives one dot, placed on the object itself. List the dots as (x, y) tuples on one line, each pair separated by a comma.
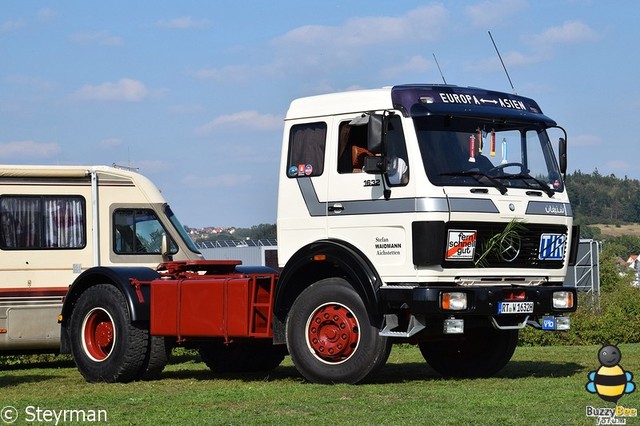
[(465, 151), (183, 233)]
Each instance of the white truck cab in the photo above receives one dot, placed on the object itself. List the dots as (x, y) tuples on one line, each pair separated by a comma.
[(442, 207)]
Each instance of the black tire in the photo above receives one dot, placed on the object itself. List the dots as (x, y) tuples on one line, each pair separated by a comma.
[(329, 335), (157, 358), (480, 353), (241, 357), (106, 345)]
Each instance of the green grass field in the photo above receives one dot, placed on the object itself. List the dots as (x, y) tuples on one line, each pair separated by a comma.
[(540, 386)]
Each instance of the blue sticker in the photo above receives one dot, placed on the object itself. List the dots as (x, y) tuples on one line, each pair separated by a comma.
[(293, 171), (552, 246), (548, 323)]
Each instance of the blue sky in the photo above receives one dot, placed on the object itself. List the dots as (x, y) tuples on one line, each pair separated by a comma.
[(193, 93)]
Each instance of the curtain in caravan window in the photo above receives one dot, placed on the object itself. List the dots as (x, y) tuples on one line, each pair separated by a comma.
[(20, 222), (42, 222), (64, 223)]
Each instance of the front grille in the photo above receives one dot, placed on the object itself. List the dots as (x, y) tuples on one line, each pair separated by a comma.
[(528, 257)]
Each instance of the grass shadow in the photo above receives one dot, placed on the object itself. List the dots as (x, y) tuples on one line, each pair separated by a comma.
[(390, 373), (58, 363), (6, 381), (280, 373)]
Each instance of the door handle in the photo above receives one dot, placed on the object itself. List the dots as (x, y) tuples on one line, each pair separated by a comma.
[(337, 207)]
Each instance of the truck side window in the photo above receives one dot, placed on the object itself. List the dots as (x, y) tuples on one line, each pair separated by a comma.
[(42, 222), (138, 231), (397, 159), (306, 149), (352, 148)]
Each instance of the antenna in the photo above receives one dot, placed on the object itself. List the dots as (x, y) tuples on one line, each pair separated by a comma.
[(441, 75), (502, 62)]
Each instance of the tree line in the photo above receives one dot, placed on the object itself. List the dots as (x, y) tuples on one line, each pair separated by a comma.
[(596, 198)]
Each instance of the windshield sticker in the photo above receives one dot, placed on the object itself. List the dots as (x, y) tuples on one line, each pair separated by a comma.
[(461, 245)]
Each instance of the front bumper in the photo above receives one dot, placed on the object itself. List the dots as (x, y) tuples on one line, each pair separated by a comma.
[(481, 301)]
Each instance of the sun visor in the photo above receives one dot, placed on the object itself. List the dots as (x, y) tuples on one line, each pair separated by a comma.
[(422, 100)]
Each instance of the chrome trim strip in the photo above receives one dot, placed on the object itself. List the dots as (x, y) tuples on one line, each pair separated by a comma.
[(396, 205), (473, 205)]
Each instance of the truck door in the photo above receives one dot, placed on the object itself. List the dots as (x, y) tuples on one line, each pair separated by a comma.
[(302, 193), (357, 210)]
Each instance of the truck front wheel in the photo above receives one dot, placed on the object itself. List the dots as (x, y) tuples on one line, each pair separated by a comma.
[(106, 345), (329, 335), (478, 353)]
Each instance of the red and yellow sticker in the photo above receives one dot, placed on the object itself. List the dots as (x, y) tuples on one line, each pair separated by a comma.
[(461, 244)]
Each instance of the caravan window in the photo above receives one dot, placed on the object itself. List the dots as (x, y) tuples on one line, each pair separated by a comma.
[(139, 231), (42, 222)]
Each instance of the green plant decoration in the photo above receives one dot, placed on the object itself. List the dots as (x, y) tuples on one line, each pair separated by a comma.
[(492, 245)]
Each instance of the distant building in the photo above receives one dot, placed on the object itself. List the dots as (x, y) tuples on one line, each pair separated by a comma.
[(249, 252)]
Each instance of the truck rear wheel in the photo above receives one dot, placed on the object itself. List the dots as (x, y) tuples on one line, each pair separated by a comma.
[(242, 357), (157, 357), (330, 337), (106, 345), (480, 353)]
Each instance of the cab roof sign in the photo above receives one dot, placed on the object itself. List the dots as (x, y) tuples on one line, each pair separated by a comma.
[(420, 100)]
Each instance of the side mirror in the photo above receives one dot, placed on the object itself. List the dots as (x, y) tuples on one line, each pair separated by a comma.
[(374, 165), (164, 248), (562, 154)]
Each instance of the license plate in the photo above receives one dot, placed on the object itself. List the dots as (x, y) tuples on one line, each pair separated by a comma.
[(515, 307)]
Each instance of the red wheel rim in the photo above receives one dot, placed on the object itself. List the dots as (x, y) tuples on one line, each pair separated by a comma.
[(333, 333), (98, 334)]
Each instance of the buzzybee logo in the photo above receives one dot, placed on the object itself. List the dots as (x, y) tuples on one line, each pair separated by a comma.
[(610, 382)]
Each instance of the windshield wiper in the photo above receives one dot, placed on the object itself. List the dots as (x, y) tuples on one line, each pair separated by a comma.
[(525, 176), (474, 174)]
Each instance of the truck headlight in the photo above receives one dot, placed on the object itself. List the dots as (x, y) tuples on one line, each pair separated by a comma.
[(453, 301), (562, 300)]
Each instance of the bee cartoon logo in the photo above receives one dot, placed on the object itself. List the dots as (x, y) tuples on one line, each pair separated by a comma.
[(610, 381)]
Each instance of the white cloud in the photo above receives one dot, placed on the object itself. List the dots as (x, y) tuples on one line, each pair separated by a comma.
[(228, 73), (512, 59), (9, 26), (182, 23), (414, 65), (489, 13), (46, 15), (221, 181), (28, 149), (245, 119), (568, 33), (125, 89), (32, 82), (103, 38), (421, 24)]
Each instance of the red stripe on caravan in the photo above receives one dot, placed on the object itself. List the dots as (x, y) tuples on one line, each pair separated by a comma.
[(33, 292)]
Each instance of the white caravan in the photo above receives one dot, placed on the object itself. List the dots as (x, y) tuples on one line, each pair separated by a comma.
[(56, 222)]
